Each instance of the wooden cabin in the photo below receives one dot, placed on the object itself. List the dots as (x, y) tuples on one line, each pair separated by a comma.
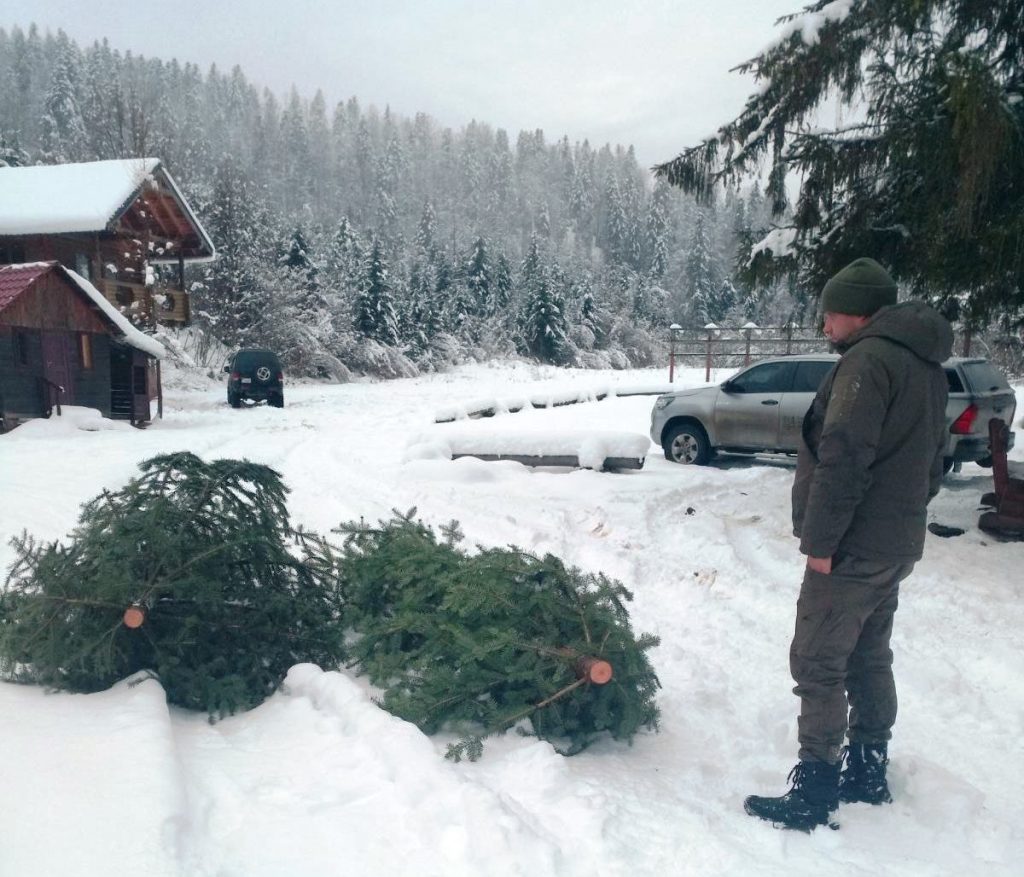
[(111, 222), (63, 343)]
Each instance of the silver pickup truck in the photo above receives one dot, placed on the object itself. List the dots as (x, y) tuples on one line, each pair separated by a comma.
[(760, 409)]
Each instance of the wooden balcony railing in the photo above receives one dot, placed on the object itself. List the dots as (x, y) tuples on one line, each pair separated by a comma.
[(173, 308)]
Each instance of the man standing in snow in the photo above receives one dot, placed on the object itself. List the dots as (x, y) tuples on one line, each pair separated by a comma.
[(870, 460)]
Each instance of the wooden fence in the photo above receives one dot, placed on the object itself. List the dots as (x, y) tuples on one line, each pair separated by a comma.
[(733, 347)]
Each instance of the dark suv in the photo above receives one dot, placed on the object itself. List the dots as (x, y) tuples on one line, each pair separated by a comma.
[(256, 376)]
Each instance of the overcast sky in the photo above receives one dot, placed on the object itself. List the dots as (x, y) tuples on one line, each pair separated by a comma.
[(651, 73)]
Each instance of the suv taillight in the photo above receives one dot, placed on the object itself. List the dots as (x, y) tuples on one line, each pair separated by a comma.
[(236, 376), (962, 425), (280, 377)]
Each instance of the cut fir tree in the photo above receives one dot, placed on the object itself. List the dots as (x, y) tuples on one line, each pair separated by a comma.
[(191, 572), (478, 643)]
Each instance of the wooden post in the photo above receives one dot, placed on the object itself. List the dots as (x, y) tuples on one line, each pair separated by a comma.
[(675, 327), (711, 327), (748, 330), (185, 300), (100, 280), (789, 338)]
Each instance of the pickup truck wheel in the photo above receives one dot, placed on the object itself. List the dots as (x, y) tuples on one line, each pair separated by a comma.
[(687, 443)]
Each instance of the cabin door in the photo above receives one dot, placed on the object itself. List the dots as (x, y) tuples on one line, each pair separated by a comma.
[(58, 359)]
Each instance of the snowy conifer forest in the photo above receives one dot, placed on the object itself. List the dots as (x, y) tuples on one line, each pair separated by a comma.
[(352, 240)]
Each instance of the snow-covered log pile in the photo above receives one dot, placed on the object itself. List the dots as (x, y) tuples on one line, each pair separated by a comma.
[(579, 449)]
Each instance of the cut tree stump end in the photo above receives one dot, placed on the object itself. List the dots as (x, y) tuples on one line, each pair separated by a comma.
[(594, 669), (134, 617)]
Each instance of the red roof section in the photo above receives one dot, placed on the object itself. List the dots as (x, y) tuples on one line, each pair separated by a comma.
[(15, 279)]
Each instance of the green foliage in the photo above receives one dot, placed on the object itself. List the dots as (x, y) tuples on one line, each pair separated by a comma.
[(926, 173), (480, 642), (374, 308), (233, 596)]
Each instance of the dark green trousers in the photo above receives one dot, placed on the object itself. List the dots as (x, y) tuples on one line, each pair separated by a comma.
[(840, 657)]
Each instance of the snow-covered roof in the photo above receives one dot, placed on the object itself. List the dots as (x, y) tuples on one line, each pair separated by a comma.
[(83, 197), (132, 336), (16, 279)]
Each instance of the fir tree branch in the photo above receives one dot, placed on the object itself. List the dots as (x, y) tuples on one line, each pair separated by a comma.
[(558, 695)]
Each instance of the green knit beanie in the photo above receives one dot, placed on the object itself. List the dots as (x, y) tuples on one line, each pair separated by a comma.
[(861, 288)]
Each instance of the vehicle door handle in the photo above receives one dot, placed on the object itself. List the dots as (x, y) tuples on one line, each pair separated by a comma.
[(769, 401)]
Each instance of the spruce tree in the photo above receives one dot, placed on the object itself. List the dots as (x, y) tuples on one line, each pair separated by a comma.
[(12, 155), (477, 643), (63, 136), (296, 254), (925, 172), (502, 286), (374, 311), (297, 260), (230, 297), (703, 279), (590, 319), (427, 231), (478, 279), (345, 259), (657, 233), (544, 325), (191, 572), (295, 154)]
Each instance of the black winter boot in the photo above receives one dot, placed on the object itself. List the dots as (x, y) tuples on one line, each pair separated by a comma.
[(863, 776), (810, 803)]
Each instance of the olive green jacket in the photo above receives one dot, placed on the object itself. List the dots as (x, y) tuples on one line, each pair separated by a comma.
[(873, 440)]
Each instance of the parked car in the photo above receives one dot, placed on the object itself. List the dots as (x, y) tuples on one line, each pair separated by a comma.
[(761, 408), (255, 375)]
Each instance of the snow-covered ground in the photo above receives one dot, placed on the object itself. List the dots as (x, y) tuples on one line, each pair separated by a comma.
[(320, 781)]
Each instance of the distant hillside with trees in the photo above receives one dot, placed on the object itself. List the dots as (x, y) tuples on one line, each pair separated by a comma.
[(352, 239)]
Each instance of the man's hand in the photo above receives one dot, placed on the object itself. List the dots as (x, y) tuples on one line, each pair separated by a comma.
[(820, 564)]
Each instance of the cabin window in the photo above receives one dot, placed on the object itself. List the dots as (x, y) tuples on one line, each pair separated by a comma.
[(83, 265), (21, 348), (125, 296), (85, 350)]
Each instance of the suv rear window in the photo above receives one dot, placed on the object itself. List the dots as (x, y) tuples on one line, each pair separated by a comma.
[(249, 359), (983, 378), (953, 379)]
